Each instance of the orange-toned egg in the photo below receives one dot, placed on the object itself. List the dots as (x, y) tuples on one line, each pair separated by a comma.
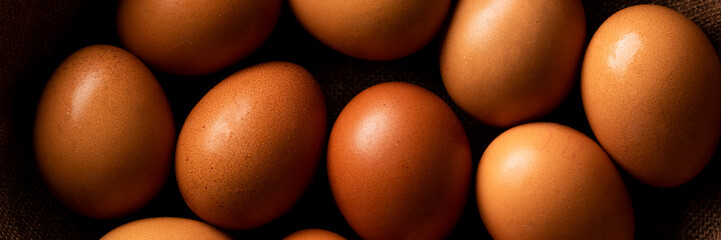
[(399, 163), (192, 37), (160, 228), (548, 181), (508, 61), (314, 234), (250, 147), (651, 89), (104, 133), (375, 29)]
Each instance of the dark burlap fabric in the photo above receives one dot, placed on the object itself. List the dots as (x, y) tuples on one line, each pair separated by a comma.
[(35, 36)]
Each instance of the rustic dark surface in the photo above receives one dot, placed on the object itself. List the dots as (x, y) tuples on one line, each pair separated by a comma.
[(35, 36)]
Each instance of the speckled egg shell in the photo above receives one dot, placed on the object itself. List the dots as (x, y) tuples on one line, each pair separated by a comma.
[(399, 163), (651, 89), (314, 234), (104, 133), (372, 29), (165, 228), (192, 37), (250, 147), (548, 181), (508, 61)]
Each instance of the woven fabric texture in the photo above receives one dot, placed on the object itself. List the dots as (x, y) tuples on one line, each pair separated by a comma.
[(35, 36)]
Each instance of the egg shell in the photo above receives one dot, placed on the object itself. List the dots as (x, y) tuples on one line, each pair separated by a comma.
[(250, 147), (549, 181), (372, 29), (104, 133), (314, 234), (193, 37), (165, 228), (399, 163), (651, 89), (509, 61)]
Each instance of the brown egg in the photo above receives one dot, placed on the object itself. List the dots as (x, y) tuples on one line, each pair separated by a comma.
[(250, 147), (508, 61), (314, 234), (192, 37), (104, 133), (548, 181), (651, 89), (399, 163), (165, 228), (372, 29)]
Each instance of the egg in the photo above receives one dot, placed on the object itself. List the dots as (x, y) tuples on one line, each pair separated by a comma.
[(104, 133), (650, 87), (505, 62), (314, 234), (399, 163), (549, 181), (251, 146), (158, 228), (372, 29), (193, 37)]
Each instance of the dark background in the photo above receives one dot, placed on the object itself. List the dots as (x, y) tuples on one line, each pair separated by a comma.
[(35, 36)]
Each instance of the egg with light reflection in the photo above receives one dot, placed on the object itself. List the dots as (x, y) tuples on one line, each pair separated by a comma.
[(505, 62), (399, 163), (251, 146), (104, 133), (650, 87)]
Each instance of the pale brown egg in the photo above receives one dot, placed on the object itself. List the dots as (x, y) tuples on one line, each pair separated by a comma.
[(104, 133), (548, 181), (508, 61), (399, 163), (250, 147), (165, 228), (651, 89), (372, 29), (314, 234), (192, 37)]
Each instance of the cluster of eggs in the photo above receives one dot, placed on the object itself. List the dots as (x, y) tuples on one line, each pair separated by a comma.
[(398, 158)]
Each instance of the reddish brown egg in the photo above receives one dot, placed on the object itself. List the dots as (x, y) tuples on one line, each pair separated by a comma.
[(548, 181), (372, 29), (104, 133), (250, 147), (508, 61), (314, 234), (399, 163), (651, 89), (170, 228), (192, 37)]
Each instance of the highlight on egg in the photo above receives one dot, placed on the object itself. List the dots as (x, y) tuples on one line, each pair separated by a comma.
[(650, 87), (103, 133), (505, 62), (375, 29), (399, 163), (251, 146), (195, 37), (166, 228), (549, 181), (314, 234)]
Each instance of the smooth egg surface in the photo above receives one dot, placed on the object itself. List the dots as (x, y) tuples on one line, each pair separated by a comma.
[(509, 61), (651, 89), (399, 163), (104, 133), (314, 234), (549, 181), (372, 29), (165, 228), (251, 146), (194, 37)]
